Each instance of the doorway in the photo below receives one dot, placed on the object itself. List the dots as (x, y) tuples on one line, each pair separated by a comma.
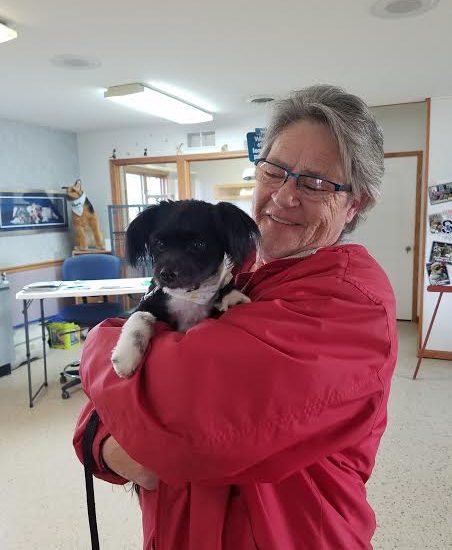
[(391, 231)]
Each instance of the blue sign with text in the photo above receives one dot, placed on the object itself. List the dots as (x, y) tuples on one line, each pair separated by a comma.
[(255, 141)]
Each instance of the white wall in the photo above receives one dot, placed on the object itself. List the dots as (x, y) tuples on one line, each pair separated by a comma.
[(403, 126), (440, 168), (95, 149), (35, 158), (208, 173)]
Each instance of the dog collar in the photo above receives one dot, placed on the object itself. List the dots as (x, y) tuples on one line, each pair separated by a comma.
[(77, 204), (207, 291)]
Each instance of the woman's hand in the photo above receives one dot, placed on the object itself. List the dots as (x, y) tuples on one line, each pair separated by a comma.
[(117, 460)]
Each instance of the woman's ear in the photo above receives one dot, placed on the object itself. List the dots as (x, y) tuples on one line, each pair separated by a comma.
[(139, 232), (353, 209), (239, 231)]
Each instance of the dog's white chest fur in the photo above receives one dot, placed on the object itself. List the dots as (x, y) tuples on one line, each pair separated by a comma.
[(187, 313)]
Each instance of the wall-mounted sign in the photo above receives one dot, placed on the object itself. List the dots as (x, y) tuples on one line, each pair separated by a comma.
[(255, 141)]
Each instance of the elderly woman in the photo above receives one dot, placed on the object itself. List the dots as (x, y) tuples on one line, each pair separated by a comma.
[(262, 426)]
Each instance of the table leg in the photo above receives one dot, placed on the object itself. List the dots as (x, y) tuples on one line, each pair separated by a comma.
[(43, 333), (32, 397), (26, 304), (421, 353)]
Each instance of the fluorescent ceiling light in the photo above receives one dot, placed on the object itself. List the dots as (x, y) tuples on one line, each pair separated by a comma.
[(6, 33), (156, 103)]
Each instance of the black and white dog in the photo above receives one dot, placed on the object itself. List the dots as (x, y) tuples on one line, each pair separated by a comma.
[(192, 245)]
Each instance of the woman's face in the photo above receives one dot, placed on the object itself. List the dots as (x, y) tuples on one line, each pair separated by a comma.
[(292, 221)]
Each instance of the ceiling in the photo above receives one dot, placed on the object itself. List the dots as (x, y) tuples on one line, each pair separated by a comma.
[(213, 54)]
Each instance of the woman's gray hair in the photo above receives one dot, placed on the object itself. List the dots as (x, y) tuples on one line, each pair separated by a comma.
[(357, 133)]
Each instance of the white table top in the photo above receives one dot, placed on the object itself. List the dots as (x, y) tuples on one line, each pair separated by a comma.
[(73, 289)]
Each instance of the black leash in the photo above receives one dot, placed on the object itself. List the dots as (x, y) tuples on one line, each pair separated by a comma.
[(88, 438)]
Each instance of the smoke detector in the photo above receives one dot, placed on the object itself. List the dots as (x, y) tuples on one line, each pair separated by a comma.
[(260, 99), (76, 62), (395, 9)]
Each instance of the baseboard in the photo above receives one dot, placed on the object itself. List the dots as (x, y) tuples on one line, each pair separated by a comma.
[(5, 369)]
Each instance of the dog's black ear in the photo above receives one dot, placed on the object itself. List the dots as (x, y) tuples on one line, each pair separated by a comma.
[(239, 232), (139, 232)]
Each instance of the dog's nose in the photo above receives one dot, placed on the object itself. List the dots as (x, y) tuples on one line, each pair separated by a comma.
[(167, 275)]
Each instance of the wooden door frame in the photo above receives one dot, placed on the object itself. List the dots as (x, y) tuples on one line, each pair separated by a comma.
[(185, 192), (417, 223), (183, 169)]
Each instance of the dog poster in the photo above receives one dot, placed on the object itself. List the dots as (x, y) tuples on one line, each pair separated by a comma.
[(440, 193), (441, 252), (32, 211), (441, 224), (437, 273)]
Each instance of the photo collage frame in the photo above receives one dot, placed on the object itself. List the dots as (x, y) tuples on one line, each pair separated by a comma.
[(440, 228)]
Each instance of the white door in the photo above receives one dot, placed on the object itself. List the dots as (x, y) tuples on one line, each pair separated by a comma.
[(389, 231)]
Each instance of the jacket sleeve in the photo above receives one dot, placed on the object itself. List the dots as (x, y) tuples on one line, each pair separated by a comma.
[(99, 468), (265, 390)]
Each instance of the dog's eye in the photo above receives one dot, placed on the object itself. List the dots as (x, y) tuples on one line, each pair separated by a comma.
[(158, 245), (198, 245)]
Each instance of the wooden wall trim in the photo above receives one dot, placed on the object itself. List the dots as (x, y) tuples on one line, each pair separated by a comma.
[(423, 224), (216, 156), (183, 169), (417, 240), (144, 171), (403, 154), (397, 104), (183, 178), (143, 160), (29, 267), (115, 181)]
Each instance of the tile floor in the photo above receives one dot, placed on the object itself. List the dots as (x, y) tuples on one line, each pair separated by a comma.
[(42, 500)]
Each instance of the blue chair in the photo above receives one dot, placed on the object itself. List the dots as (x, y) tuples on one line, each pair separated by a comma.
[(84, 268)]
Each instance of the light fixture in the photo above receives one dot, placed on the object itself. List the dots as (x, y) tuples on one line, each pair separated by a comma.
[(249, 173), (156, 103), (395, 9), (7, 33)]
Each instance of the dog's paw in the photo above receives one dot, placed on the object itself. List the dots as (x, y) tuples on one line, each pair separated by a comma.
[(232, 299), (132, 343), (125, 362)]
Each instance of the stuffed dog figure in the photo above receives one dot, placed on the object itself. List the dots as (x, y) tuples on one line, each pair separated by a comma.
[(83, 217), (192, 246)]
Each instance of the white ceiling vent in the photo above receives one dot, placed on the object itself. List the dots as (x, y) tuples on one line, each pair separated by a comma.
[(201, 139)]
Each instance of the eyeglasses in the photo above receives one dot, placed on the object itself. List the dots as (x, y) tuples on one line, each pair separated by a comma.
[(270, 173)]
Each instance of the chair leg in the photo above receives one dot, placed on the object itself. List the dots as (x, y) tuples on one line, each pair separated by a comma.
[(424, 345), (64, 393)]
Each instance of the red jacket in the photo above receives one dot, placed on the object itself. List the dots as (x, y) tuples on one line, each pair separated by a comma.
[(262, 425)]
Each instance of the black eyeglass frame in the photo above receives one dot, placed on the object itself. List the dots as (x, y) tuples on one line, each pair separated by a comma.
[(337, 186)]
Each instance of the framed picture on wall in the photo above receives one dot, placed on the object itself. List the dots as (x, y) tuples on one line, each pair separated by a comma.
[(33, 211), (437, 273), (441, 223), (441, 252), (440, 193)]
